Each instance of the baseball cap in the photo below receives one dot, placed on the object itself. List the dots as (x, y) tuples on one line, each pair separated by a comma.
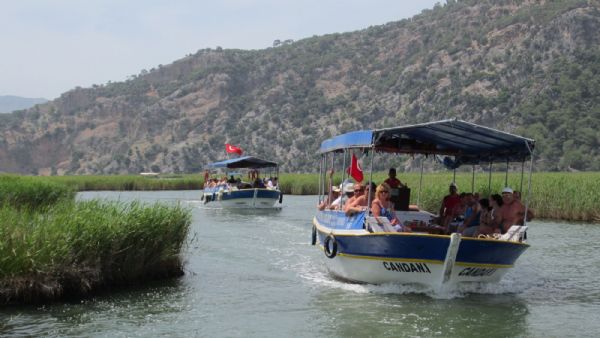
[(507, 189)]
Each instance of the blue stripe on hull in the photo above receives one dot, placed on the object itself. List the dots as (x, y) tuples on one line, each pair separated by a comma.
[(249, 193), (414, 246), (489, 251), (392, 246)]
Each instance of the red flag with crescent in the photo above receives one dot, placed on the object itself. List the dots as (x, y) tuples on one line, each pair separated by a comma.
[(233, 149), (354, 170)]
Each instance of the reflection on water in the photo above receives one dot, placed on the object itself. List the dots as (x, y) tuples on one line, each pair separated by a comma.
[(255, 274)]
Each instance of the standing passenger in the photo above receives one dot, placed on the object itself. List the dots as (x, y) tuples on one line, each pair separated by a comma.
[(392, 181)]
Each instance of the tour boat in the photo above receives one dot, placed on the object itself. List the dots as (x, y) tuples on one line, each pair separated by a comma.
[(365, 249), (242, 194)]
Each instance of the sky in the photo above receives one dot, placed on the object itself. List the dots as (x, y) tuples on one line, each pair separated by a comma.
[(48, 47)]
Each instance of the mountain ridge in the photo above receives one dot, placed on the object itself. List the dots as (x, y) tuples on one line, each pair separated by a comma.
[(528, 67), (10, 103)]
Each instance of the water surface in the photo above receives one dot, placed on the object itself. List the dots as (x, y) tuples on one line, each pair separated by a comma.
[(255, 274)]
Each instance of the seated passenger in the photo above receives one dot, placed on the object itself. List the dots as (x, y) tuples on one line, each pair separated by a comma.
[(258, 183), (512, 211), (472, 216), (272, 183), (358, 190), (382, 206), (231, 180), (347, 196), (517, 195), (360, 202), (333, 195), (486, 224)]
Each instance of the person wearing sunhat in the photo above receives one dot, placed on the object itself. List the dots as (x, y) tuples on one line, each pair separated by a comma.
[(328, 202), (512, 211)]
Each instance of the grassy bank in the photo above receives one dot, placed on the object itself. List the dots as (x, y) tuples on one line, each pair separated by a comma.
[(60, 248)]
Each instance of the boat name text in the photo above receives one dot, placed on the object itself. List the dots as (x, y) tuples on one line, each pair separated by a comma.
[(406, 267), (477, 272)]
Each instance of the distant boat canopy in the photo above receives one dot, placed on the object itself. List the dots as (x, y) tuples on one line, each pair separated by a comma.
[(469, 143), (242, 162)]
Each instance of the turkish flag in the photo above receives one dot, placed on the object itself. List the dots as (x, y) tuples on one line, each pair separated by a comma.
[(354, 170), (232, 149)]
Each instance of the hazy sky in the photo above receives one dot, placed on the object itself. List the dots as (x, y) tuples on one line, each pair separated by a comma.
[(48, 47)]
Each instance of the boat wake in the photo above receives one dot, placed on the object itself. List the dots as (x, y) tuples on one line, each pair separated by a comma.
[(517, 281)]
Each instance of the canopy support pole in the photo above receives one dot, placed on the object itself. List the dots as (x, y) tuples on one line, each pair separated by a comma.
[(420, 183), (506, 175), (321, 185), (370, 181), (454, 175), (529, 186), (490, 180), (522, 173), (473, 180), (343, 178)]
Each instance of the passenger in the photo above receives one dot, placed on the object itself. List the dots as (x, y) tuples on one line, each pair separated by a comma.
[(330, 198), (495, 204), (361, 202), (382, 206), (450, 203), (258, 183), (272, 183), (486, 225), (231, 179), (472, 216), (348, 194), (359, 191), (392, 181), (213, 183), (512, 211), (517, 195)]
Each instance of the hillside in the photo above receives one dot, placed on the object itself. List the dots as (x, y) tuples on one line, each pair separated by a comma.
[(9, 103), (529, 67)]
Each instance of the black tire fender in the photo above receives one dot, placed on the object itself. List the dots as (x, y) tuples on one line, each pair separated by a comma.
[(314, 235), (330, 246), (280, 197)]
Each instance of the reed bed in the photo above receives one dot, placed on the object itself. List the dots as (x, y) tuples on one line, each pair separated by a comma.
[(128, 182), (566, 196), (30, 193), (71, 249)]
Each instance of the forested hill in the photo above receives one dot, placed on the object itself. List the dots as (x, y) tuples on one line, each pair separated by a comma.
[(529, 67)]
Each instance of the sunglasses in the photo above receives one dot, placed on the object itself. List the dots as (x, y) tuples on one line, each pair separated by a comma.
[(384, 191), (359, 190)]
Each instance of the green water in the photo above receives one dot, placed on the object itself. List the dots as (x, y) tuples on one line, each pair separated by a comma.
[(254, 274)]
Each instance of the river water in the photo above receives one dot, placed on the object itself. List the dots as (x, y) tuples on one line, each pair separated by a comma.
[(255, 274)]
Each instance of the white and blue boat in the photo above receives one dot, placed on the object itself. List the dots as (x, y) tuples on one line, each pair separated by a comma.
[(360, 248), (243, 195)]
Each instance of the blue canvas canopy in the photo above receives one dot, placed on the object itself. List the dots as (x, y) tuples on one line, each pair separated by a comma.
[(469, 143), (242, 162)]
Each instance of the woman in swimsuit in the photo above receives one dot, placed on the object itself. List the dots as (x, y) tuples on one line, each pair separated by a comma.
[(383, 207)]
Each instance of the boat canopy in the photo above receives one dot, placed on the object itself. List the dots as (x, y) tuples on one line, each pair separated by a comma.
[(242, 162), (469, 143)]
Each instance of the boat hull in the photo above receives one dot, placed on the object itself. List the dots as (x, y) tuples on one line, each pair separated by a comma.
[(243, 199), (355, 254)]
